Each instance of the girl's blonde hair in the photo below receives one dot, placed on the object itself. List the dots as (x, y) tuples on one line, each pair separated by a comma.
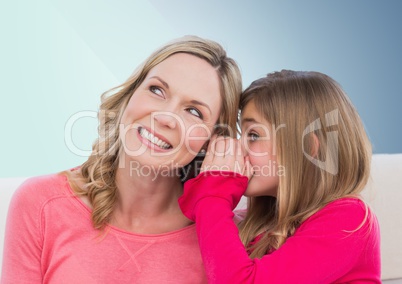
[(98, 172), (322, 146)]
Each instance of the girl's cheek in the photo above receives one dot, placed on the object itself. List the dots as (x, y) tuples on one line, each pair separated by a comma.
[(249, 149)]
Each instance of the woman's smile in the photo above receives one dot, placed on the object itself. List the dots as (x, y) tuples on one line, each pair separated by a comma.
[(156, 142)]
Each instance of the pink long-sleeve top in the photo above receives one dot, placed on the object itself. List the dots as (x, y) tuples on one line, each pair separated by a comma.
[(50, 239), (328, 247)]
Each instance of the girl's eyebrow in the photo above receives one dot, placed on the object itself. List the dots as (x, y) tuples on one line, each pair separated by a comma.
[(248, 120), (162, 81)]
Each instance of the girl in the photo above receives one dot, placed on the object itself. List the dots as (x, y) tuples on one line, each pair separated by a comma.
[(116, 218), (303, 161)]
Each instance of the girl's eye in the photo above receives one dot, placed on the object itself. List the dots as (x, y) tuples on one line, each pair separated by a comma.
[(252, 136), (195, 112), (157, 91)]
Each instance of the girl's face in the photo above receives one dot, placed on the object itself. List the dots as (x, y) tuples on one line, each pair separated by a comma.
[(258, 140), (172, 113)]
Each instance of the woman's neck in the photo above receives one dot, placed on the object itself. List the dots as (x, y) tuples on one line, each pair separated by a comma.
[(147, 204)]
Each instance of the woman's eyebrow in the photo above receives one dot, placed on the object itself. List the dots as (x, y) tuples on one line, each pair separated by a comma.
[(162, 81), (196, 102), (200, 103)]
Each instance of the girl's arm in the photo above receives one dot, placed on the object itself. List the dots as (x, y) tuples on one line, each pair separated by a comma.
[(22, 243), (321, 250)]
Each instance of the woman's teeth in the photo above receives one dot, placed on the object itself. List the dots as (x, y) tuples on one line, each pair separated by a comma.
[(155, 140)]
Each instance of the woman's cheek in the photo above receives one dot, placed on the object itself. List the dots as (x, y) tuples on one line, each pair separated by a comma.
[(197, 135)]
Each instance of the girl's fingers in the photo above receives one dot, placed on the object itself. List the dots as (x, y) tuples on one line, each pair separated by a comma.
[(238, 157), (226, 154), (243, 162), (248, 169), (210, 154), (219, 149)]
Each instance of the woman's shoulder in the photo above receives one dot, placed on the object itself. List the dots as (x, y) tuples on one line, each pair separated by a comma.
[(32, 197), (39, 189)]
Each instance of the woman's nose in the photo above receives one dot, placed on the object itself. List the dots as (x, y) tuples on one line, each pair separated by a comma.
[(166, 118)]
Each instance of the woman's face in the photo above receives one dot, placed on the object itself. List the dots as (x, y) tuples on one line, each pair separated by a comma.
[(172, 113), (258, 139)]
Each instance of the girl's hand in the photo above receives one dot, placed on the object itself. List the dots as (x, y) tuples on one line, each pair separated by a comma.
[(222, 182), (226, 154)]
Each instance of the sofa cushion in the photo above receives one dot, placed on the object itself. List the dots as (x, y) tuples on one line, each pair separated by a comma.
[(384, 194)]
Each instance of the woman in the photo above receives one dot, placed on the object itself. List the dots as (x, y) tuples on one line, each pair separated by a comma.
[(116, 219)]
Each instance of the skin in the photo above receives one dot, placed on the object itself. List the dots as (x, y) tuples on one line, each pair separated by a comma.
[(179, 102), (258, 140), (252, 156)]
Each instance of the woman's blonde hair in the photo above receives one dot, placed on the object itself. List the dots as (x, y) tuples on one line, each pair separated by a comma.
[(98, 172), (322, 146)]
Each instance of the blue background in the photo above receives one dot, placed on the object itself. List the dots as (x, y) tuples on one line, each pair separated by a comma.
[(57, 57)]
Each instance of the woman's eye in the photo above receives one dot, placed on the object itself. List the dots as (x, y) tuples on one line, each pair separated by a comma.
[(195, 112), (157, 91), (253, 136)]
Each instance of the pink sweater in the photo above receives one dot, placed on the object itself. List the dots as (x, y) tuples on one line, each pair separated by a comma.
[(322, 250), (50, 239)]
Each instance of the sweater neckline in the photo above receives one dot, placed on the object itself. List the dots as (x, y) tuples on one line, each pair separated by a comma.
[(110, 228)]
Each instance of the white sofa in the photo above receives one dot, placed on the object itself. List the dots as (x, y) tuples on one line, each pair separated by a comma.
[(383, 193)]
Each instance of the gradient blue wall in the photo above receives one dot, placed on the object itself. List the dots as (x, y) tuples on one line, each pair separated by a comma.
[(57, 57)]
